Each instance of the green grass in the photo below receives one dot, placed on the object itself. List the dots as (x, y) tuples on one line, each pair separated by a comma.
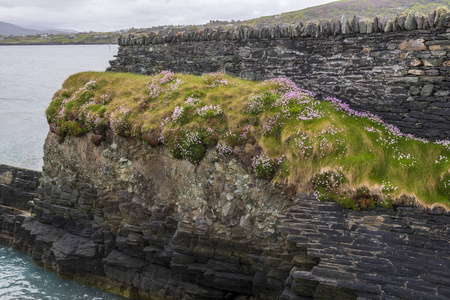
[(362, 8), (299, 142), (63, 39)]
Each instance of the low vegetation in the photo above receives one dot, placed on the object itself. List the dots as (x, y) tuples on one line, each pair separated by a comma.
[(279, 131), (62, 39), (349, 8)]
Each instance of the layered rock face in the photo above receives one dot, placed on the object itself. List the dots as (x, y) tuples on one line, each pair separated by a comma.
[(17, 186), (133, 220), (152, 226)]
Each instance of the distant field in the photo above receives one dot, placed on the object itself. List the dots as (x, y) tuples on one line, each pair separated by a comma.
[(80, 38)]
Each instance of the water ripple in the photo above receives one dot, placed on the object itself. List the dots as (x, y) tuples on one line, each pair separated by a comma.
[(21, 279)]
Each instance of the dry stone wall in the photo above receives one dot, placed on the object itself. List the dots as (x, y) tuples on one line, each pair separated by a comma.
[(397, 69)]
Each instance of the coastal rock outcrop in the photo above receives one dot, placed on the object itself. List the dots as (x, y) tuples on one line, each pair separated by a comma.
[(133, 220)]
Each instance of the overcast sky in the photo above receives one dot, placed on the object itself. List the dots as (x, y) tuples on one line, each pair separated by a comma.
[(109, 15)]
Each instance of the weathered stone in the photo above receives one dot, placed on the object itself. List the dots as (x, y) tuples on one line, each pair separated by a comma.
[(411, 23), (427, 90), (412, 45), (432, 62), (345, 28), (416, 72), (414, 90), (415, 62)]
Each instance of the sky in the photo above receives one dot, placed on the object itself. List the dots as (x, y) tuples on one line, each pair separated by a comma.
[(112, 15)]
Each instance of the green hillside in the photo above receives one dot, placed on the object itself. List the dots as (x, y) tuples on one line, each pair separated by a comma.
[(361, 8)]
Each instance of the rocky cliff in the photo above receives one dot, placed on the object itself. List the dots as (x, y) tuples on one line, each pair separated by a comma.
[(133, 220)]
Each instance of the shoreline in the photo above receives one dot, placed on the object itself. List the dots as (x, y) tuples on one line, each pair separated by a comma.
[(52, 44)]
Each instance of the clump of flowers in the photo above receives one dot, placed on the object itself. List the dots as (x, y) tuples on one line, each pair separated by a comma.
[(153, 90), (281, 85), (92, 120), (191, 102), (105, 99), (187, 146), (119, 122), (223, 149), (441, 159), (388, 189), (178, 113), (273, 127), (163, 83), (216, 79), (281, 159), (303, 144), (209, 111), (445, 143), (173, 87), (328, 181), (91, 85), (257, 103), (263, 166), (167, 76), (245, 137), (299, 104), (404, 159)]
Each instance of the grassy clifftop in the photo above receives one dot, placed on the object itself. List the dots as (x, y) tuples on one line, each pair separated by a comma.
[(278, 130)]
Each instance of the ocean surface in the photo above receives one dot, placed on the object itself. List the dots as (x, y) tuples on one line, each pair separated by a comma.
[(29, 76), (21, 279)]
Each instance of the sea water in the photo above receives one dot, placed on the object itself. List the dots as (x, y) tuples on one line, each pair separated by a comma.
[(21, 279), (29, 76)]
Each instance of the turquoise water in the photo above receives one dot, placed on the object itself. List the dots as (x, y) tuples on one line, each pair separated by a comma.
[(21, 279), (29, 76)]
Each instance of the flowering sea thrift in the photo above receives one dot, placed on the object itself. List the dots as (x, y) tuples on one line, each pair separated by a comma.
[(223, 149), (244, 137), (388, 189), (216, 79), (105, 99), (262, 166), (167, 76), (178, 113), (191, 102), (91, 85), (119, 123), (209, 111), (255, 104), (164, 82)]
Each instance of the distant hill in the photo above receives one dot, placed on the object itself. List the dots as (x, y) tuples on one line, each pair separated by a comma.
[(11, 29), (350, 8)]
